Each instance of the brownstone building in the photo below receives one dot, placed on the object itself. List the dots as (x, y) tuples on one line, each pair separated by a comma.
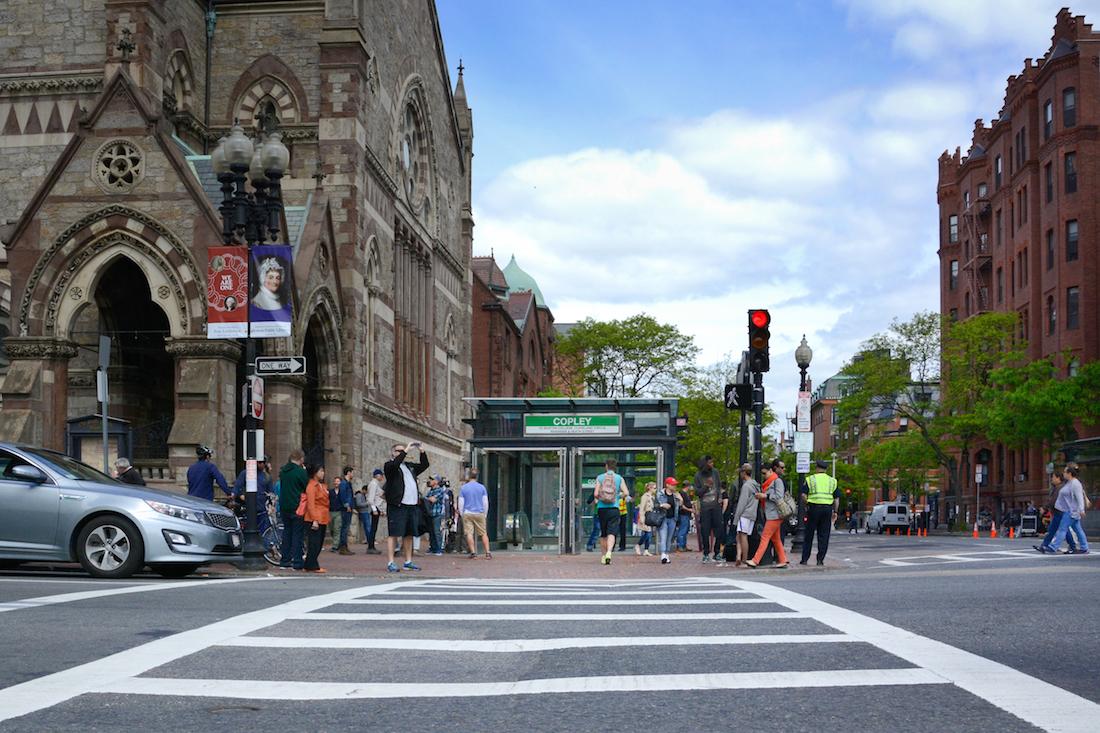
[(1019, 232), (108, 112), (513, 332)]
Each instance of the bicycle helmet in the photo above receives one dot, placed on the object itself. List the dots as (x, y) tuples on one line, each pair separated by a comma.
[(203, 451)]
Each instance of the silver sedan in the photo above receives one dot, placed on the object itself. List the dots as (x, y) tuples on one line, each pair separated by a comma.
[(53, 507)]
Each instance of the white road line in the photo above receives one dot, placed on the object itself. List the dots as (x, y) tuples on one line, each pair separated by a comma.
[(289, 690), (118, 669), (528, 645), (63, 580), (104, 593), (618, 617), (949, 558), (727, 592), (552, 602), (1037, 702)]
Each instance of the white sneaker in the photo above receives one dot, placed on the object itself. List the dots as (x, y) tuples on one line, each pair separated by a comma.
[(637, 550), (664, 559), (647, 553)]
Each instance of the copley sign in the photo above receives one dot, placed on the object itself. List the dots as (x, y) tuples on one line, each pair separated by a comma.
[(568, 424)]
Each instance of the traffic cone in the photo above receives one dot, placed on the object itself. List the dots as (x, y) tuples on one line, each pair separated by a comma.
[(975, 530), (992, 530), (909, 532), (1011, 533)]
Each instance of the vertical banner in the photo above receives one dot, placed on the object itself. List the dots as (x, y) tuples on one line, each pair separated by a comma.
[(226, 293), (270, 303)]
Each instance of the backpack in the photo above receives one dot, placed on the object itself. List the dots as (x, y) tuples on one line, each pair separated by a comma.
[(602, 493)]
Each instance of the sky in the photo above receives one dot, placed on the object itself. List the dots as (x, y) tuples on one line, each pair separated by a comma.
[(695, 159)]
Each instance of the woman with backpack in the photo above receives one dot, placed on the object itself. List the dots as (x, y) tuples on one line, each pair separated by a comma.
[(316, 516), (773, 492)]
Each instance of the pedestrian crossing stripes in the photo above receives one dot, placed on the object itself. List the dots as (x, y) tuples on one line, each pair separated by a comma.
[(570, 651)]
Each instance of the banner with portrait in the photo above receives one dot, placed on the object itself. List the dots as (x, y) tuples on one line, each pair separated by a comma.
[(270, 301), (226, 292)]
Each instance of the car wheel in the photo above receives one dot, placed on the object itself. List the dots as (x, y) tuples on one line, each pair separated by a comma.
[(175, 569), (110, 547)]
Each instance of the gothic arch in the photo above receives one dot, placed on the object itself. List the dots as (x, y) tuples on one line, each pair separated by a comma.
[(268, 80), (180, 80), (450, 335), (61, 277), (321, 308)]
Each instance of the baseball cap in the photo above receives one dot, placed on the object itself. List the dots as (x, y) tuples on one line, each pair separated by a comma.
[(670, 481), (822, 464), (377, 472)]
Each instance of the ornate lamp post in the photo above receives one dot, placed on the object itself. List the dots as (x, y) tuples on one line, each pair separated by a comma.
[(250, 217), (802, 357)]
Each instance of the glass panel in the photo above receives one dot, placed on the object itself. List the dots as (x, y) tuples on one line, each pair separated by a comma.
[(544, 470)]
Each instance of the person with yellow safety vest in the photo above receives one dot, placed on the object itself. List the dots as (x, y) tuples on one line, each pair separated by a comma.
[(822, 500)]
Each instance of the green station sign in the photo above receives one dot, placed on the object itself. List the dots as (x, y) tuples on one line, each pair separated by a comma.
[(572, 424)]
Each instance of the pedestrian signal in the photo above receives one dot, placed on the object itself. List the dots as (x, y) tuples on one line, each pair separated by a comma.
[(759, 335)]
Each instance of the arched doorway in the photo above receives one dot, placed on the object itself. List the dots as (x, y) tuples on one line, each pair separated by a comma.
[(321, 400), (313, 429), (141, 374)]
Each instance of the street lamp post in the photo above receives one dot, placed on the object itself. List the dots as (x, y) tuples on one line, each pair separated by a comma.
[(250, 218), (802, 357)]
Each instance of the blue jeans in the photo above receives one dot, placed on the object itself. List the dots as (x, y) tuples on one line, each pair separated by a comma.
[(436, 535), (293, 535), (365, 522), (345, 526), (683, 525), (645, 539), (1070, 523), (664, 536), (595, 532), (1055, 522)]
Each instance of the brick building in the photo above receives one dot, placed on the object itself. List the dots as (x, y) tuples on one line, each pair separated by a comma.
[(107, 178), (1019, 232), (513, 332)]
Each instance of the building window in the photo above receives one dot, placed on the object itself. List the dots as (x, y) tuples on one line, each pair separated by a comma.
[(953, 314), (998, 169), (1000, 285), (1073, 366), (1071, 240), (1072, 306), (1012, 277), (1021, 148), (1048, 174), (983, 191), (966, 199), (953, 228), (1023, 205), (1048, 119), (1023, 325), (1052, 316), (1071, 172), (1050, 249), (1024, 260), (1000, 227), (953, 282), (966, 304), (1069, 107)]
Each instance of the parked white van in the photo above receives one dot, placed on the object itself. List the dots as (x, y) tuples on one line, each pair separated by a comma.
[(888, 515)]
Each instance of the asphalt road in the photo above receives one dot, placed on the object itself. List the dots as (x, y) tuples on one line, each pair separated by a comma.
[(941, 634)]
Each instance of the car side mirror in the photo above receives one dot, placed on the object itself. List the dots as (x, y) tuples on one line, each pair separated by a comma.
[(29, 473)]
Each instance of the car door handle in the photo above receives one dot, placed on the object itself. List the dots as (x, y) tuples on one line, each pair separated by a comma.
[(73, 497)]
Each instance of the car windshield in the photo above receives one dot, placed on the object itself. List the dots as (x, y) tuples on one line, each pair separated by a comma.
[(68, 467)]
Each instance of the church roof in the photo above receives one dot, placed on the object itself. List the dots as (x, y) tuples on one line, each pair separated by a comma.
[(519, 280), (487, 270), (518, 306)]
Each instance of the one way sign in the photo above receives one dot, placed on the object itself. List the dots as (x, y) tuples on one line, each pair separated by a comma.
[(268, 365)]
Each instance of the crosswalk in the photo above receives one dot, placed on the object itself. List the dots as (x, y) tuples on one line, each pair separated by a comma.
[(461, 640)]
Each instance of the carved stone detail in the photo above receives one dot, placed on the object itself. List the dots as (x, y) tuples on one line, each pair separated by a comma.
[(119, 166), (38, 347), (202, 348), (330, 395), (51, 85), (163, 292), (414, 427), (76, 293)]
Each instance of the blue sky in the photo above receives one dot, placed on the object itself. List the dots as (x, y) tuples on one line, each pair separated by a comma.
[(695, 159)]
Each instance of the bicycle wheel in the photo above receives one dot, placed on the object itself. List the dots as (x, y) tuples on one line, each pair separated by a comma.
[(273, 544)]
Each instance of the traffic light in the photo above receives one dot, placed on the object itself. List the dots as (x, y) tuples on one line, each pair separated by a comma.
[(680, 425), (759, 320)]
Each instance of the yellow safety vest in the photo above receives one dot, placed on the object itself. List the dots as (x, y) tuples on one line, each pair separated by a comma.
[(821, 487)]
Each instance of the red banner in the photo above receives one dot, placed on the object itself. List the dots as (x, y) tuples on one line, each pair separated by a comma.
[(227, 293)]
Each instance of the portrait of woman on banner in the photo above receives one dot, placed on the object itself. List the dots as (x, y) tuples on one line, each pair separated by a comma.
[(270, 304)]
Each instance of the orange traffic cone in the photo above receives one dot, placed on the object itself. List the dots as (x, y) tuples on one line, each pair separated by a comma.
[(1011, 533), (909, 532), (993, 530), (975, 530)]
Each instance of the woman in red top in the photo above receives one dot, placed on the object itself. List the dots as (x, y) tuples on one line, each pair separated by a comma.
[(316, 517)]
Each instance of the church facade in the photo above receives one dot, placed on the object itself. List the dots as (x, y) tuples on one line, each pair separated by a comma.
[(109, 110)]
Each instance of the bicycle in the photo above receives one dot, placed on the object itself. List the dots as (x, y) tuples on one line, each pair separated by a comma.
[(272, 535)]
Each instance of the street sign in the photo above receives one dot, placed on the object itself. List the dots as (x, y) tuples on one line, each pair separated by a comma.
[(802, 463), (803, 412), (803, 442), (268, 365), (256, 398), (738, 396)]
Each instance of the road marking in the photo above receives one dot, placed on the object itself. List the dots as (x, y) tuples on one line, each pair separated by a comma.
[(106, 592), (726, 592), (552, 602), (369, 689), (120, 668), (528, 645), (958, 557), (1037, 702), (383, 617)]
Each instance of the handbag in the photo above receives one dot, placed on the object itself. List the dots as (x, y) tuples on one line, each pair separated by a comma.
[(301, 510), (655, 517), (786, 506)]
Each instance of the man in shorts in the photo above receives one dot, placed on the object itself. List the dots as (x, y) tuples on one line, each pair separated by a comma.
[(610, 487), (744, 513), (403, 502), (473, 507)]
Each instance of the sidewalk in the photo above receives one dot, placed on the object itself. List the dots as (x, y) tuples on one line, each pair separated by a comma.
[(530, 564)]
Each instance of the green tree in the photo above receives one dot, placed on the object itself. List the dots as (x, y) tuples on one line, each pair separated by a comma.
[(897, 375), (903, 461), (634, 357)]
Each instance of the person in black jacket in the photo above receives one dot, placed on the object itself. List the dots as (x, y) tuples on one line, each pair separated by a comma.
[(127, 474), (403, 502)]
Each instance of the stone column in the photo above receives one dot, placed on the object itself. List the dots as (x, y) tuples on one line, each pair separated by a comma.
[(338, 446), (282, 417), (35, 391), (207, 403)]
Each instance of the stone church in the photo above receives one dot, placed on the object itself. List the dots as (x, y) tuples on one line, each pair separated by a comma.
[(109, 110)]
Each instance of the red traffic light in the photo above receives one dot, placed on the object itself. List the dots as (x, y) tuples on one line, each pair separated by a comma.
[(760, 319)]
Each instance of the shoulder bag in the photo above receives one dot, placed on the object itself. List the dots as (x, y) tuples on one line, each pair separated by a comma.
[(786, 505), (301, 510)]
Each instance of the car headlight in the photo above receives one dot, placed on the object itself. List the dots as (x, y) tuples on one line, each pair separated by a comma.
[(177, 512)]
